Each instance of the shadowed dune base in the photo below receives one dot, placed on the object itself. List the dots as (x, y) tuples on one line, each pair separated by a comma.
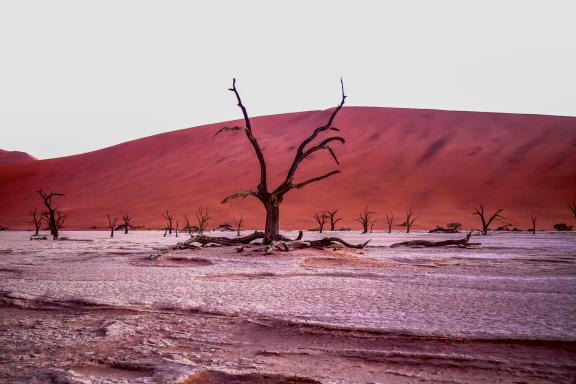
[(442, 162)]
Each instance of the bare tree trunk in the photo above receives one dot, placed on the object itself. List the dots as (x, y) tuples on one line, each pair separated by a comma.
[(272, 229)]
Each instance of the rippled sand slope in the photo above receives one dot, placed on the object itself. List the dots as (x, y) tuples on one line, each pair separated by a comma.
[(94, 309)]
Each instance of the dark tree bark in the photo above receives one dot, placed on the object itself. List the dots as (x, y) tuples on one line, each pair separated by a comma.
[(410, 219), (390, 221), (53, 219), (425, 243), (111, 225), (37, 219), (177, 223), (533, 220), (320, 219), (333, 219), (169, 219), (271, 200), (127, 222), (365, 219), (487, 219), (202, 219)]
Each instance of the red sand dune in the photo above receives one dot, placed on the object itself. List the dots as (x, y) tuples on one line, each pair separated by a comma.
[(9, 157), (442, 162)]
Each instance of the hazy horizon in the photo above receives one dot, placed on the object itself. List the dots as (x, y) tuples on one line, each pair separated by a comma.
[(78, 77)]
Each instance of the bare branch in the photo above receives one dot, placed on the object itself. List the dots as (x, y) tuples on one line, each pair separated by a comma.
[(243, 194), (263, 186), (300, 153), (313, 180), (228, 129)]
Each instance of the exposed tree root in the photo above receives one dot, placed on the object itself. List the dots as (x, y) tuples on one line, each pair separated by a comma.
[(464, 243)]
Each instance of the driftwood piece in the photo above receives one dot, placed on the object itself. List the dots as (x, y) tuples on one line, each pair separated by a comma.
[(426, 244)]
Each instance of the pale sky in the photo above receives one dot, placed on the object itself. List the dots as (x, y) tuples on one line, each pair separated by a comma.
[(76, 75)]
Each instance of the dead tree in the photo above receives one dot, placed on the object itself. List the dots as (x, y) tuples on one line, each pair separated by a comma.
[(282, 244), (533, 219), (111, 225), (321, 220), (169, 219), (410, 219), (37, 219), (239, 223), (365, 219), (390, 221), (464, 243), (53, 219), (177, 223), (487, 219), (202, 219), (331, 213), (572, 206), (127, 222), (187, 227), (271, 199)]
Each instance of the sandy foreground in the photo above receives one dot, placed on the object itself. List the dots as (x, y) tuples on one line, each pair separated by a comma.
[(96, 310)]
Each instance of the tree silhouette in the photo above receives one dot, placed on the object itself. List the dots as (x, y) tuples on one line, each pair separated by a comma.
[(111, 225), (410, 219), (37, 219), (365, 219), (333, 219), (202, 219), (271, 200), (127, 222), (54, 218), (169, 219), (390, 221), (321, 218), (486, 218)]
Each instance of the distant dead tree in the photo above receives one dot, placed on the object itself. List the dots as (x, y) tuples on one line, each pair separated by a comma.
[(111, 225), (187, 227), (127, 222), (54, 218), (365, 219), (320, 219), (410, 219), (533, 219), (572, 206), (271, 200), (37, 220), (239, 223), (331, 213), (487, 219), (177, 224), (390, 221), (202, 219), (372, 226), (454, 226), (169, 219)]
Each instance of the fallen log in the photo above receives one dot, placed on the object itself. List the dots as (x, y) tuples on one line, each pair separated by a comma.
[(465, 242)]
